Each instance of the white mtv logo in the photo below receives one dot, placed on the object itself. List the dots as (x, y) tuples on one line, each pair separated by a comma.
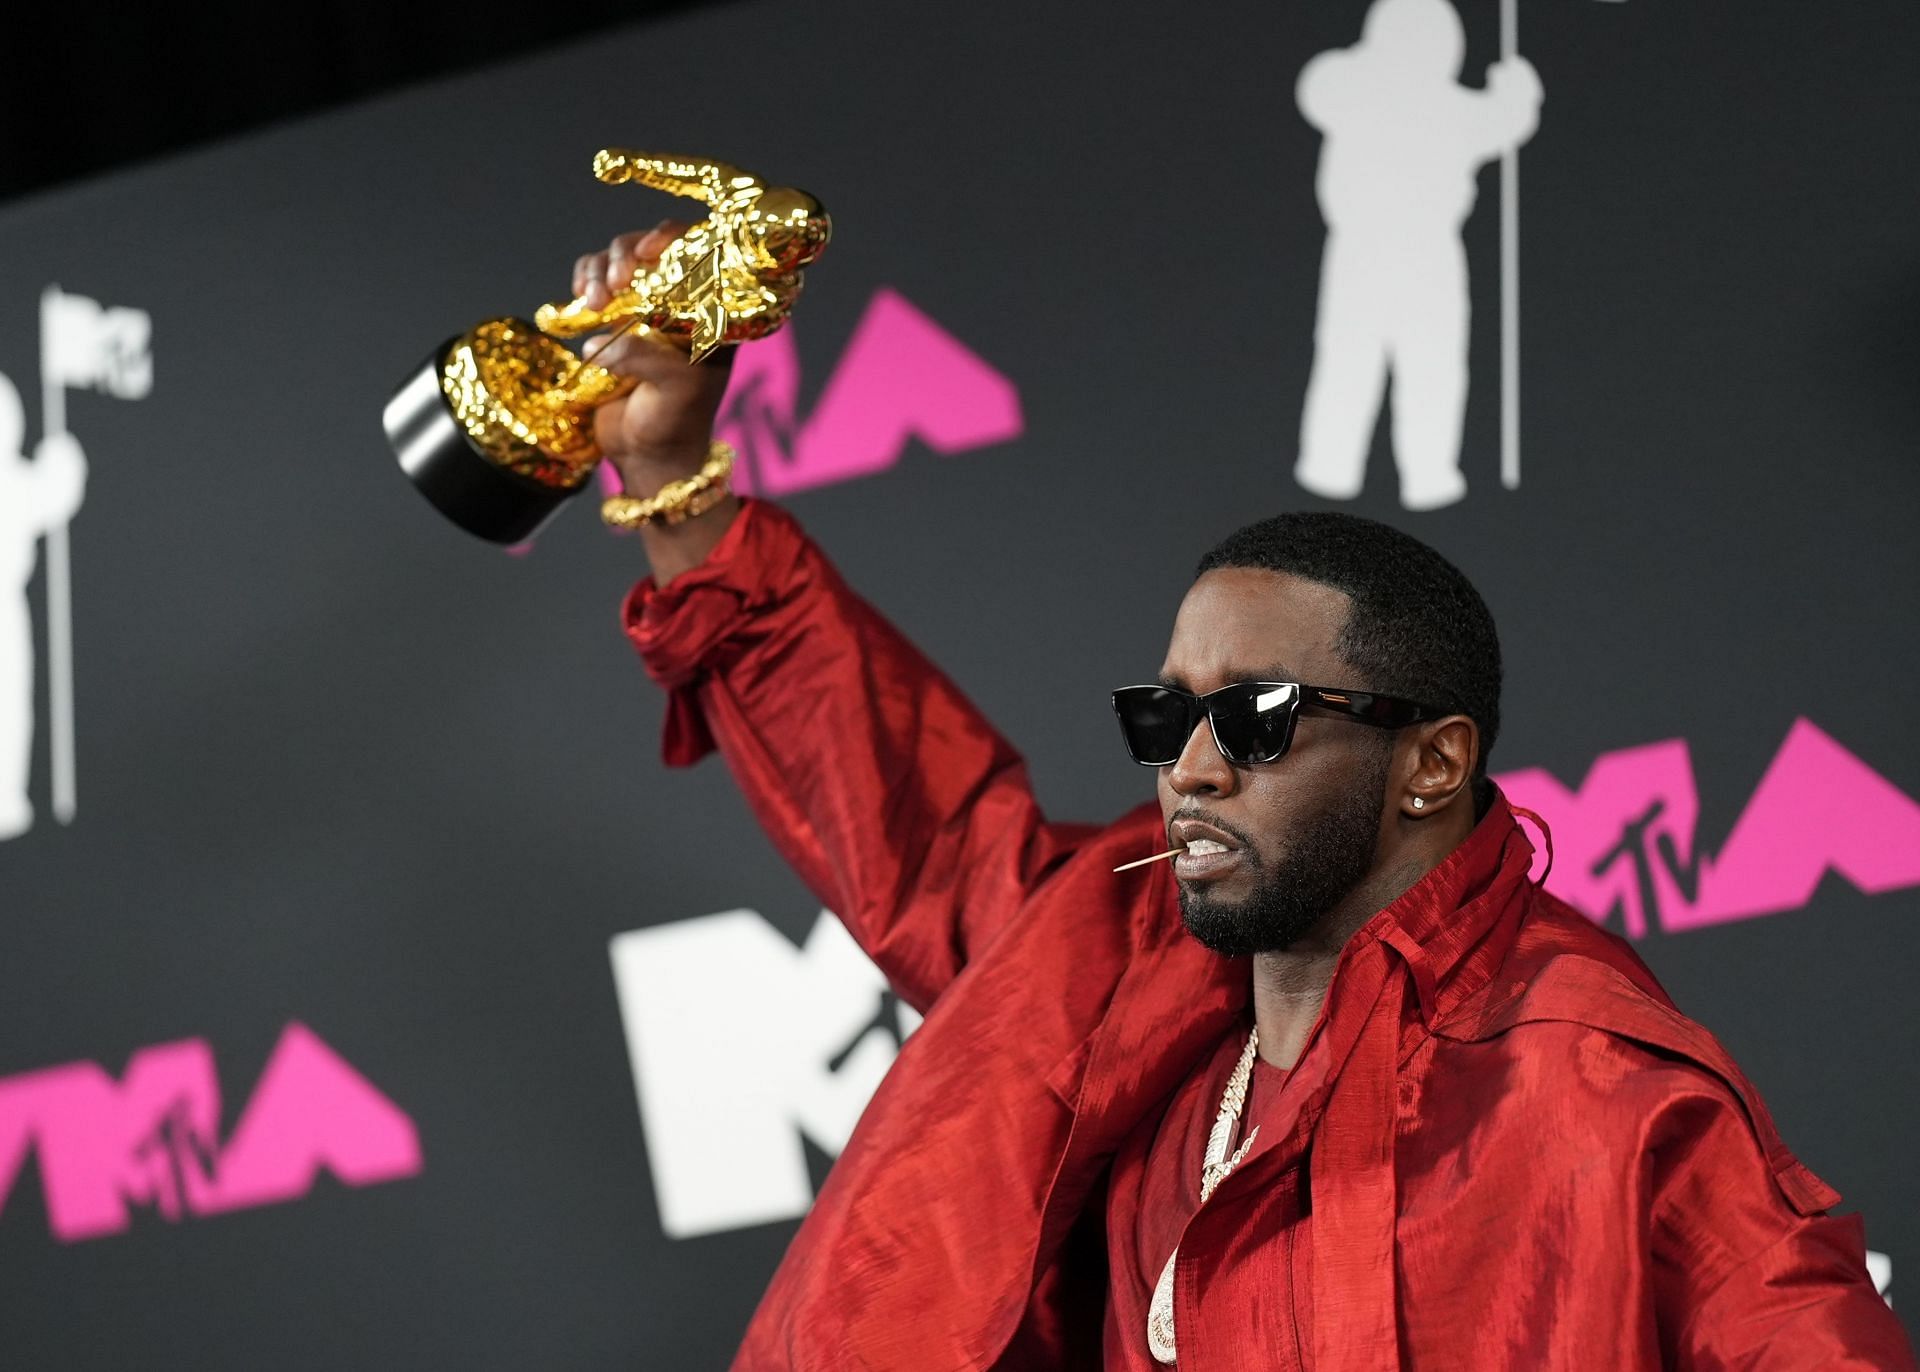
[(1880, 1268), (740, 1044)]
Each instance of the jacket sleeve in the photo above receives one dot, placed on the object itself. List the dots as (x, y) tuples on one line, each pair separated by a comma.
[(878, 781), (1754, 1276)]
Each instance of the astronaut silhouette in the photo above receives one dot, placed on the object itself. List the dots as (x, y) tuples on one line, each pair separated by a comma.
[(1402, 143), (35, 496)]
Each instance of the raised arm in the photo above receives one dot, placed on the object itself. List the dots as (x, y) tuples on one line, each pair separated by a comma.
[(893, 798)]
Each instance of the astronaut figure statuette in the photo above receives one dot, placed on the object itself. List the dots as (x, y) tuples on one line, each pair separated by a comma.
[(731, 278), (497, 428)]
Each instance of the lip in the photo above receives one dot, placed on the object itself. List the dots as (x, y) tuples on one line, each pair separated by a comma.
[(1207, 866)]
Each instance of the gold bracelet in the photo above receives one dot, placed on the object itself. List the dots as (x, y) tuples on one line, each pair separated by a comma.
[(677, 501)]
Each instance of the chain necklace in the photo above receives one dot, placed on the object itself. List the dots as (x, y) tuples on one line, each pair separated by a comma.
[(1213, 1170)]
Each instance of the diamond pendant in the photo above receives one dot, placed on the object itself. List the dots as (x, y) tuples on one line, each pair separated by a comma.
[(1213, 1170), (1160, 1316)]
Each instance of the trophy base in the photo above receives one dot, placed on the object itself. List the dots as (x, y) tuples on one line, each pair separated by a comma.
[(445, 466)]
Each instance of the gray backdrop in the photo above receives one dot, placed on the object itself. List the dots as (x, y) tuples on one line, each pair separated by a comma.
[(341, 766)]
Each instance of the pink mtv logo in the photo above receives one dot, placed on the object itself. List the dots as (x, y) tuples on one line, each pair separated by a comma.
[(901, 378), (1626, 837), (152, 1138)]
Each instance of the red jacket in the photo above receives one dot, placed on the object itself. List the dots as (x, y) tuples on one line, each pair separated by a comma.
[(1515, 1151)]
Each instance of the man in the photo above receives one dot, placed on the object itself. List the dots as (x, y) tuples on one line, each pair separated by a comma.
[(1339, 1088)]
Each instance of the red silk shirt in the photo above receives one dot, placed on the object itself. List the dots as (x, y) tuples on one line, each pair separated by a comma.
[(1514, 1150), (1155, 1191)]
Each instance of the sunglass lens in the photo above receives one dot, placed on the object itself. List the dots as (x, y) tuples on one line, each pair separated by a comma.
[(1155, 723), (1253, 722)]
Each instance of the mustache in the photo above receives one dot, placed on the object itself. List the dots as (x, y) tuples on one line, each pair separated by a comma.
[(1206, 816)]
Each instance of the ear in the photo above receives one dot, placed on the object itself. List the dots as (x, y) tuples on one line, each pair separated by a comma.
[(1438, 766)]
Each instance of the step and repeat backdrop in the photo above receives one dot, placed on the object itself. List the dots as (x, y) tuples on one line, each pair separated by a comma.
[(371, 995)]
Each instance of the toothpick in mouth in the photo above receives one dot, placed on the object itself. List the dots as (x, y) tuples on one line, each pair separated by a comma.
[(1157, 857)]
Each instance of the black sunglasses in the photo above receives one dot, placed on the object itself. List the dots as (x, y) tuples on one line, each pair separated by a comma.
[(1252, 721)]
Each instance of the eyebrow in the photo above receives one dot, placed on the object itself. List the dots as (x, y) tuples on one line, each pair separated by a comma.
[(1173, 681)]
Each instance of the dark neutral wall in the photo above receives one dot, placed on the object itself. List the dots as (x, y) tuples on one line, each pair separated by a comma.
[(91, 87), (346, 775)]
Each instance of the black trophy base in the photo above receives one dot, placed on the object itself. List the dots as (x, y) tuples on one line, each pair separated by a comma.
[(462, 483)]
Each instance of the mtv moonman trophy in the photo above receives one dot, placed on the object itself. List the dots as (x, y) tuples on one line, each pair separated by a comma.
[(497, 428)]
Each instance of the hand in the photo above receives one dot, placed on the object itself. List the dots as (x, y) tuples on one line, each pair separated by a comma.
[(660, 430)]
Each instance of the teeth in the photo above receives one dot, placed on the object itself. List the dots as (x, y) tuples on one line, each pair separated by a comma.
[(1205, 847)]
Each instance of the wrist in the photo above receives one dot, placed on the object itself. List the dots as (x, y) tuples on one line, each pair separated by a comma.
[(678, 501), (643, 471)]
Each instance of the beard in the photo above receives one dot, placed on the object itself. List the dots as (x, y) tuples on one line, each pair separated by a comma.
[(1330, 854)]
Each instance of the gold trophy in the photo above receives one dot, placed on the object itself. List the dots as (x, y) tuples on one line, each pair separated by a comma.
[(496, 429)]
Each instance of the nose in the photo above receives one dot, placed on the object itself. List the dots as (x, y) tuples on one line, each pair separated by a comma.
[(1201, 769)]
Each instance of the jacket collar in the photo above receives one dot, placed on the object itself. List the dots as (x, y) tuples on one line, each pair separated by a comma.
[(1452, 927), (1450, 930)]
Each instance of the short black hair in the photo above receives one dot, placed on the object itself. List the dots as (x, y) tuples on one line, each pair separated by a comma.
[(1417, 627)]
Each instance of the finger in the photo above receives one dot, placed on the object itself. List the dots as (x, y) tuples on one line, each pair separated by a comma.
[(628, 348), (595, 291), (650, 356), (591, 346), (623, 259), (631, 253), (582, 273), (655, 240)]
